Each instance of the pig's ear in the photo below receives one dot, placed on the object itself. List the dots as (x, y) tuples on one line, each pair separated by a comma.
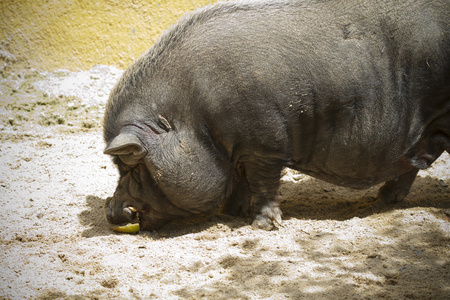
[(126, 144)]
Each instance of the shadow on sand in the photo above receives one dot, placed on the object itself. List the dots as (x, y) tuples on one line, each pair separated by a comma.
[(307, 199)]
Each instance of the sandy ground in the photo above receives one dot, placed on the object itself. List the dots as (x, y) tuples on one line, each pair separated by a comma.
[(56, 244)]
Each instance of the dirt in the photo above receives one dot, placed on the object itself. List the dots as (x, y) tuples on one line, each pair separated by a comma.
[(56, 244)]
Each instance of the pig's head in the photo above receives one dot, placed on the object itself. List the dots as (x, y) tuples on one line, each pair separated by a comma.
[(165, 174)]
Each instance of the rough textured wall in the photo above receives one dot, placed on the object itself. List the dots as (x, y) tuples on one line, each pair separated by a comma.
[(78, 34)]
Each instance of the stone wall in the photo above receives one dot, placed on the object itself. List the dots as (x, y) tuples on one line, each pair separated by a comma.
[(78, 34)]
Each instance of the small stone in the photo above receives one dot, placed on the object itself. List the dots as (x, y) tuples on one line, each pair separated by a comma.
[(297, 177), (442, 183), (109, 283)]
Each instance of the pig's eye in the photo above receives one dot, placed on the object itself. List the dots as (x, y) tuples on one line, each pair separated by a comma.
[(135, 175), (123, 168)]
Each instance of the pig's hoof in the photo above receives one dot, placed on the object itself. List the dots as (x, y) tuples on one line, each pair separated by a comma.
[(391, 196), (269, 217)]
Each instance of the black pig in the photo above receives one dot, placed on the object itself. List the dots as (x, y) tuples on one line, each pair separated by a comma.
[(353, 92)]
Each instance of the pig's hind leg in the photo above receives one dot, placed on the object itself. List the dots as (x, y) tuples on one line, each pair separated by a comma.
[(396, 190)]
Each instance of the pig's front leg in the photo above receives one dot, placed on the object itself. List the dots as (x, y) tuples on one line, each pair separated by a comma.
[(264, 179)]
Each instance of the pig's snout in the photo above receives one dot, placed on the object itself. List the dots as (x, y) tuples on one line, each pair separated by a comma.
[(119, 213)]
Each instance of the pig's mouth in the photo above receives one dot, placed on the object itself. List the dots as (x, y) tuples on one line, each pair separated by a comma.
[(119, 215), (125, 220), (123, 215), (132, 213)]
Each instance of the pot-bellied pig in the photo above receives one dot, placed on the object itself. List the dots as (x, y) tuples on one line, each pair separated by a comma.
[(353, 92)]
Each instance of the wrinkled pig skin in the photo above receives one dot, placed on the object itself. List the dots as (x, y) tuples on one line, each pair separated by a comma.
[(355, 93)]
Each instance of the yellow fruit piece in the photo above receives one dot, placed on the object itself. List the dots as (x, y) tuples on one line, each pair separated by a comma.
[(129, 228)]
